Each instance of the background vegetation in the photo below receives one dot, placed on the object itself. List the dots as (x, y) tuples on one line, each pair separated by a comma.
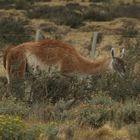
[(103, 107)]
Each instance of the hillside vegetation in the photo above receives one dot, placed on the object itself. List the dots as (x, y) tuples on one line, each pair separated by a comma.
[(103, 107)]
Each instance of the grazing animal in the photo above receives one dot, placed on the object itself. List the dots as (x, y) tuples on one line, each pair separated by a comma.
[(45, 53)]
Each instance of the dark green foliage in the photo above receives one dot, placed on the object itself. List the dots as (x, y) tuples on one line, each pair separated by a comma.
[(23, 4), (131, 11), (13, 31), (97, 13), (107, 1), (51, 132), (129, 30), (97, 112), (18, 4), (13, 108), (102, 99), (103, 109), (56, 87), (74, 15), (94, 117), (69, 15), (32, 133)]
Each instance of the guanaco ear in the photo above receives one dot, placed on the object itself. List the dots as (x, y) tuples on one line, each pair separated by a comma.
[(122, 53), (112, 52)]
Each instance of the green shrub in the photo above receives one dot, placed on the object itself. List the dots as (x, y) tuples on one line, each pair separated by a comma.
[(107, 1), (131, 11), (56, 87), (93, 116), (14, 108), (97, 13), (51, 133), (110, 11), (5, 1), (11, 128), (49, 112), (19, 4), (33, 132), (13, 30), (128, 113), (129, 29), (59, 14), (102, 99), (23, 4), (103, 109)]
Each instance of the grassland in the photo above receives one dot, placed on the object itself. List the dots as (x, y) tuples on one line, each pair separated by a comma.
[(99, 108)]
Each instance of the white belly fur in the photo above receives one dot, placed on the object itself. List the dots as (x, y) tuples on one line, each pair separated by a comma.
[(36, 64)]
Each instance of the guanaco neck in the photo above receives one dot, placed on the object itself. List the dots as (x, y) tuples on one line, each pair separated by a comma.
[(98, 66)]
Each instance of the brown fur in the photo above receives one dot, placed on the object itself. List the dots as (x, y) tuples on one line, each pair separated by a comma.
[(52, 52)]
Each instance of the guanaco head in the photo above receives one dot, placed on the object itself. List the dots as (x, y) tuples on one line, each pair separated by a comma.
[(118, 63)]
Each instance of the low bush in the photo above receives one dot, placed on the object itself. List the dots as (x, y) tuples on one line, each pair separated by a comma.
[(23, 4), (59, 14), (74, 14), (103, 109), (97, 13), (56, 87), (129, 30), (127, 113), (134, 131), (13, 30), (102, 99), (19, 4), (32, 132), (107, 1), (14, 108), (2, 86), (49, 112), (14, 128), (94, 116), (109, 11), (11, 128), (130, 11)]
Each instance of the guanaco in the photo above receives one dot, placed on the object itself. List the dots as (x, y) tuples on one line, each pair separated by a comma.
[(44, 53)]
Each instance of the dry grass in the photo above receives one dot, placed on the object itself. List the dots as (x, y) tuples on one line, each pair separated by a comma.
[(63, 2), (12, 13), (104, 133), (2, 72)]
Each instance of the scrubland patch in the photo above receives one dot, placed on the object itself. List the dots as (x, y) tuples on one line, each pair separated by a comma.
[(98, 108), (61, 121)]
